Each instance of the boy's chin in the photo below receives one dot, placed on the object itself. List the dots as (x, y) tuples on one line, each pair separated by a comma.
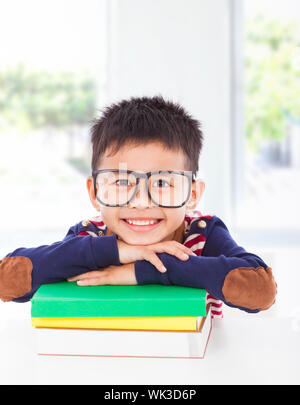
[(147, 237), (140, 238)]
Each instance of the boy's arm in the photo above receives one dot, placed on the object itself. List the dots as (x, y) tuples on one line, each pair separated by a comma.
[(25, 269), (225, 270)]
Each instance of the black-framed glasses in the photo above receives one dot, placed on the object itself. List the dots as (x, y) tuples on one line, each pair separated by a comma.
[(166, 188)]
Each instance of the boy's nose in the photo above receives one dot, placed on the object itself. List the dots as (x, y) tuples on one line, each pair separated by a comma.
[(141, 198)]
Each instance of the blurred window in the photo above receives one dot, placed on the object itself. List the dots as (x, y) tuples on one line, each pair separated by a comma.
[(52, 84), (268, 193)]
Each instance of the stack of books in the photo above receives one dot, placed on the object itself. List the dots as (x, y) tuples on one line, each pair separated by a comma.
[(132, 321)]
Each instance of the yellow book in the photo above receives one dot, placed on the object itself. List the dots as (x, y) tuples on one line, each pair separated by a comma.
[(180, 323)]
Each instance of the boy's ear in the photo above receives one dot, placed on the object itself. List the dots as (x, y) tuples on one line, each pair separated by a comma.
[(198, 187), (90, 188)]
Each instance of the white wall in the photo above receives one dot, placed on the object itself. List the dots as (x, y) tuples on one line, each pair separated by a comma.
[(180, 49)]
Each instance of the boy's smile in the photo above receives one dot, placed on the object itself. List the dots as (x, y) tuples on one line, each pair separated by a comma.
[(141, 222)]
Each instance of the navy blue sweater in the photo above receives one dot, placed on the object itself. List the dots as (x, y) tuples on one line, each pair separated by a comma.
[(75, 255)]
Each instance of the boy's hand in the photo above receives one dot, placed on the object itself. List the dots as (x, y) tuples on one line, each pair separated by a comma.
[(131, 253), (111, 275)]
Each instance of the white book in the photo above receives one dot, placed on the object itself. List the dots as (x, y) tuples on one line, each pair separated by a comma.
[(124, 343)]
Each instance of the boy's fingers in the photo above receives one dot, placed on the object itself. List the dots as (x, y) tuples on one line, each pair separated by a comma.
[(172, 248), (185, 249), (189, 251), (87, 275), (91, 281), (76, 278), (180, 254), (154, 259), (99, 278)]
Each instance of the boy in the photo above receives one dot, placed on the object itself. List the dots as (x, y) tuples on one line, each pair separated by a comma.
[(144, 163)]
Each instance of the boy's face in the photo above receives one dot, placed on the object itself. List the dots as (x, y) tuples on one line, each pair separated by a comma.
[(145, 158)]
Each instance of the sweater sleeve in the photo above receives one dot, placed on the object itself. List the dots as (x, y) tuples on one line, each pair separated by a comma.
[(25, 269), (225, 270)]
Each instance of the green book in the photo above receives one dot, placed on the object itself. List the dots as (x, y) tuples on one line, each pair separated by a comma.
[(67, 299)]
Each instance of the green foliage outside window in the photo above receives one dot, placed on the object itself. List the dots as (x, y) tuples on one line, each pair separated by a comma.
[(31, 100), (272, 79)]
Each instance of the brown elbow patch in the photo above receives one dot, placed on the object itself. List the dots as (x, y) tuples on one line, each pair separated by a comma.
[(15, 277), (250, 287)]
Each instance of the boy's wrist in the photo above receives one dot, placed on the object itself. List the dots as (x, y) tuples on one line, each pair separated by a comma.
[(105, 250), (146, 273)]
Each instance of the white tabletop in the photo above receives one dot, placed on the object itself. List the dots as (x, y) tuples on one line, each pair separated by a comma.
[(244, 348)]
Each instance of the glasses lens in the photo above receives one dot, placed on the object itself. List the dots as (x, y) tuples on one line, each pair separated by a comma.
[(115, 188), (166, 188)]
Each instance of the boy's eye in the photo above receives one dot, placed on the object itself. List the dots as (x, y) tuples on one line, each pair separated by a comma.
[(122, 180), (160, 181)]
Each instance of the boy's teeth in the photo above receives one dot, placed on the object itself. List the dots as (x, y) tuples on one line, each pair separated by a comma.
[(135, 222)]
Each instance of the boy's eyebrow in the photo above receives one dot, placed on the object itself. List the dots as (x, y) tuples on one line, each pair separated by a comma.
[(140, 171)]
